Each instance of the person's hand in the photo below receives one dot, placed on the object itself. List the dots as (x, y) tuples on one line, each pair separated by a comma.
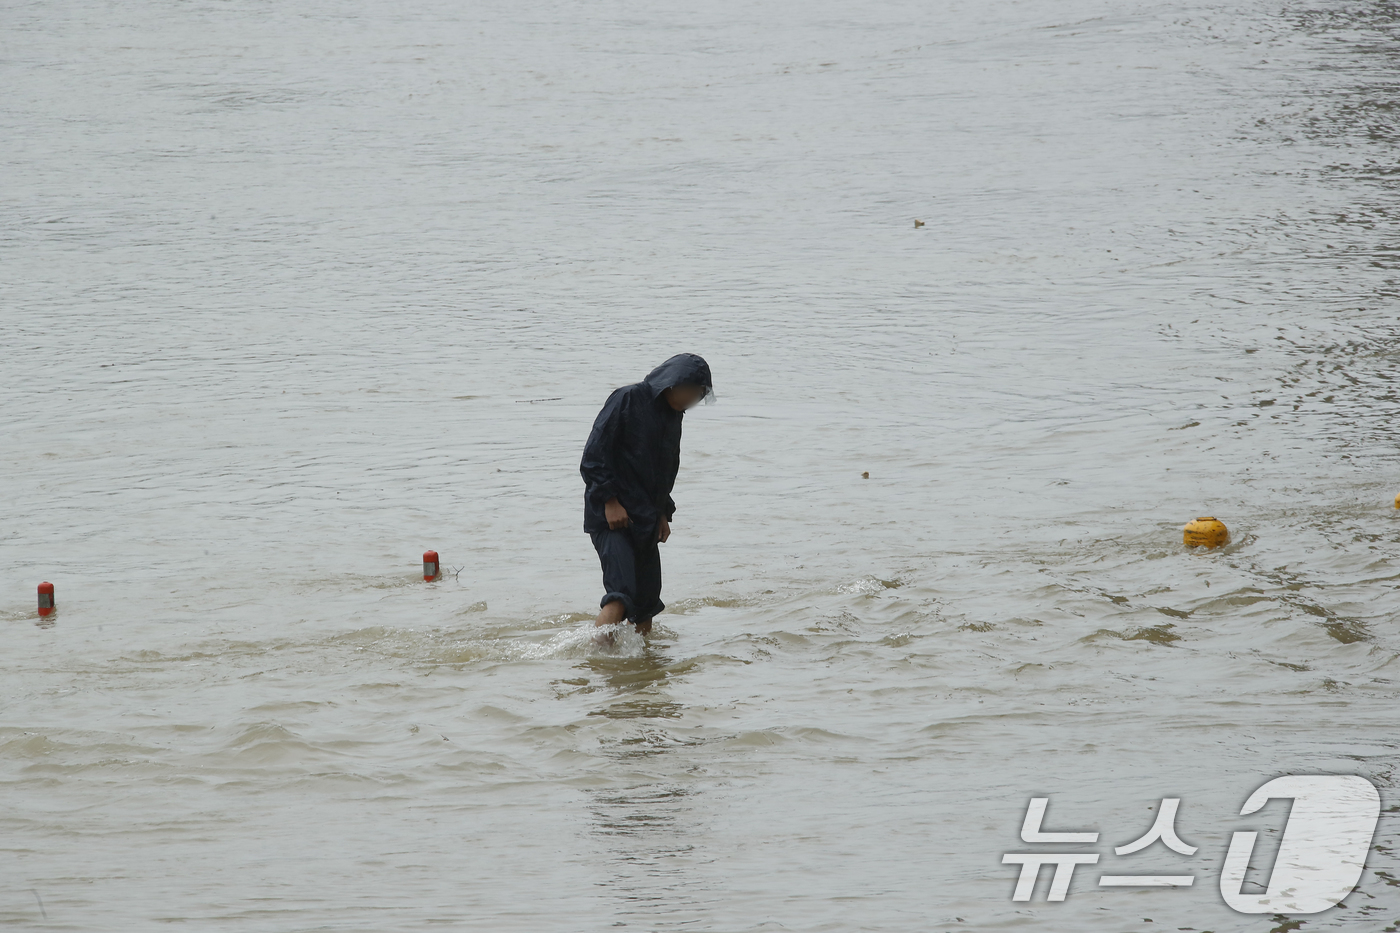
[(663, 529), (617, 516)]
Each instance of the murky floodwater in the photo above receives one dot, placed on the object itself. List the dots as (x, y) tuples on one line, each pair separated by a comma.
[(292, 292)]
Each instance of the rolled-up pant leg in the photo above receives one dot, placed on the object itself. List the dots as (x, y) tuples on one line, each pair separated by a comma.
[(631, 573), (648, 556)]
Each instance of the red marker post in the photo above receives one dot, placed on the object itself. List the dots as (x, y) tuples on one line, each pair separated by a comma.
[(431, 568), (46, 605)]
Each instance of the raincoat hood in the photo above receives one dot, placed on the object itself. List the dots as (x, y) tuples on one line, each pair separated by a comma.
[(681, 369)]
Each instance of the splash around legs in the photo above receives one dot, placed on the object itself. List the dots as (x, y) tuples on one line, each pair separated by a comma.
[(614, 613)]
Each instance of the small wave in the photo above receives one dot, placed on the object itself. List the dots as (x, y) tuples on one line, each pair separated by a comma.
[(868, 586), (580, 640), (587, 641)]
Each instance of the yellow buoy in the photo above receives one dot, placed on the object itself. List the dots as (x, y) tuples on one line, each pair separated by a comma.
[(1205, 532), (1397, 501)]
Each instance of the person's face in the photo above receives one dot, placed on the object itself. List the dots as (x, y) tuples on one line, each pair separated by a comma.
[(682, 397)]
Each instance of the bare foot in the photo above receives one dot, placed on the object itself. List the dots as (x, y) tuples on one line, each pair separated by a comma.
[(613, 613)]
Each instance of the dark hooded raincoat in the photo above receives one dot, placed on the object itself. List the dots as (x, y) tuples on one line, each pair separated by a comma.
[(634, 450)]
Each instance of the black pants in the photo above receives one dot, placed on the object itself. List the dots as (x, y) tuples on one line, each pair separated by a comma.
[(631, 571)]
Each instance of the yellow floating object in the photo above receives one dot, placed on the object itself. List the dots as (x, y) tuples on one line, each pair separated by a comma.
[(1397, 501), (1205, 532)]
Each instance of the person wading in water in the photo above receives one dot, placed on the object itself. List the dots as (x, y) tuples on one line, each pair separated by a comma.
[(629, 466)]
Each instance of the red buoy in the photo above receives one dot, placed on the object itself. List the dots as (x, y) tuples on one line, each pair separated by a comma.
[(430, 565), (46, 605)]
